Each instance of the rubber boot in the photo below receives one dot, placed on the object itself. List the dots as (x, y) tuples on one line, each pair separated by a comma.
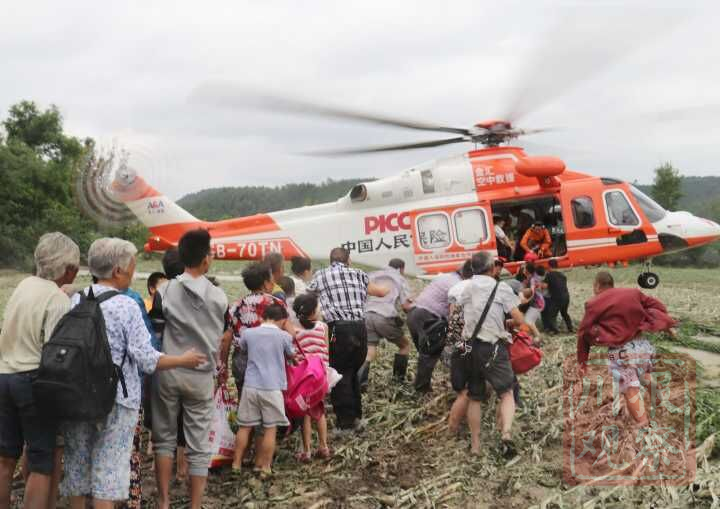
[(400, 364), (423, 376), (363, 375)]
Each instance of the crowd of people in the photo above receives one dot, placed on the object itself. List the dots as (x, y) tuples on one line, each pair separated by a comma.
[(173, 350)]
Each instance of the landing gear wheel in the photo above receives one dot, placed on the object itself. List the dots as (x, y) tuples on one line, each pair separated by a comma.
[(648, 280)]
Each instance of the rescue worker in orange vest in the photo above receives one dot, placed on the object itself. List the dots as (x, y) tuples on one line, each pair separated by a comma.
[(537, 240)]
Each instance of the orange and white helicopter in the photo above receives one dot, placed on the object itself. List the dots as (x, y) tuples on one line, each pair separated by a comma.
[(437, 214)]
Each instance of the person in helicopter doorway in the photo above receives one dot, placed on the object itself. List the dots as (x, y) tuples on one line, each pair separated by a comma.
[(504, 245), (537, 241)]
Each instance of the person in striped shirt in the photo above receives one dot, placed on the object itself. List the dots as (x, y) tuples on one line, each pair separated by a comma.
[(312, 339)]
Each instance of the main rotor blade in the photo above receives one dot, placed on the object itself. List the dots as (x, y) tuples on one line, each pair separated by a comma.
[(386, 148), (525, 132), (583, 44), (229, 95)]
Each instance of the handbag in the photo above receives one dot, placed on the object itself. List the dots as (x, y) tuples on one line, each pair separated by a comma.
[(524, 356), (432, 339)]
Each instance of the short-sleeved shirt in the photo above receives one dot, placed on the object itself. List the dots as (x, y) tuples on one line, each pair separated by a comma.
[(399, 292), (300, 284), (34, 309), (473, 300), (267, 348), (128, 337), (500, 233), (314, 342), (247, 313), (434, 297), (342, 290), (456, 291)]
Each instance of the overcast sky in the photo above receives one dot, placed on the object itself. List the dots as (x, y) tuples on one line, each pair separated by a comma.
[(123, 72)]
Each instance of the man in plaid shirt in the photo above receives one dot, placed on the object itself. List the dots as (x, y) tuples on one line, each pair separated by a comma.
[(343, 292)]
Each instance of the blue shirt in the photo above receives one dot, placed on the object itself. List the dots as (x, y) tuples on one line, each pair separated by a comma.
[(127, 334), (267, 348)]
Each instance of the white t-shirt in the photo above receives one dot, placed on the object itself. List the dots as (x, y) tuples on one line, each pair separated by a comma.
[(456, 291), (300, 285), (500, 233), (473, 300)]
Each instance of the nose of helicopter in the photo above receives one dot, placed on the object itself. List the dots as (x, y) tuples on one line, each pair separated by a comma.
[(682, 230), (701, 231)]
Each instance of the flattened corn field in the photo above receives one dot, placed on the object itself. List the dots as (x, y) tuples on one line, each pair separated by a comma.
[(407, 458)]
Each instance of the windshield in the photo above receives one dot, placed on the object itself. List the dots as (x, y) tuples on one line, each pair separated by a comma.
[(650, 207)]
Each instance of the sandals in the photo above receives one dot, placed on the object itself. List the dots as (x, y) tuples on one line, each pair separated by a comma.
[(324, 453), (303, 457), (263, 474)]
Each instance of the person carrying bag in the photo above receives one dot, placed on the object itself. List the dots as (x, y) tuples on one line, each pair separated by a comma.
[(484, 356)]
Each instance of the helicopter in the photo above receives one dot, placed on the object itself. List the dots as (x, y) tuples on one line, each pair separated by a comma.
[(437, 214)]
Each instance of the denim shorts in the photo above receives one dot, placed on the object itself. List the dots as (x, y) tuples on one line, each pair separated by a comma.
[(21, 424)]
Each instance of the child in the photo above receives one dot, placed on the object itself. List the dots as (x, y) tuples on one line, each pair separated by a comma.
[(153, 281), (301, 273), (313, 340), (527, 299), (261, 402), (247, 313)]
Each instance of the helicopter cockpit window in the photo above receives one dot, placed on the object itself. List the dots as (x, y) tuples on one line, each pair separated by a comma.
[(620, 213), (650, 207), (433, 231), (428, 181), (470, 228), (583, 212), (358, 193)]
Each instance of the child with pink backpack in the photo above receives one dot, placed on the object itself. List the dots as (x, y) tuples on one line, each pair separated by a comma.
[(312, 339)]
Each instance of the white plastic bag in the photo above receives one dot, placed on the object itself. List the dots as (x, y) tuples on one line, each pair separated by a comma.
[(222, 439), (333, 377)]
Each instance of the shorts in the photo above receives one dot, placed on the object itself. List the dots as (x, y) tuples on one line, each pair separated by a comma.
[(471, 371), (97, 455), (532, 315), (629, 362), (379, 326), (20, 424), (261, 407)]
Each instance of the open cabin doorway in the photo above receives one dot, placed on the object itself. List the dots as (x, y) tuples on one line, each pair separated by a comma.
[(519, 215)]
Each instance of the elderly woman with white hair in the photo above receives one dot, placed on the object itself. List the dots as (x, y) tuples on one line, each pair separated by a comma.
[(35, 307), (97, 454)]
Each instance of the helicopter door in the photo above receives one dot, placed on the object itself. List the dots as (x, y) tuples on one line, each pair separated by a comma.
[(444, 237), (603, 226)]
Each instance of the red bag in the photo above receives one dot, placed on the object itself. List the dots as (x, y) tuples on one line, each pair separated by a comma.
[(307, 385), (523, 355)]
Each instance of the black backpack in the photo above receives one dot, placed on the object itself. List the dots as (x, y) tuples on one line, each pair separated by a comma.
[(77, 379)]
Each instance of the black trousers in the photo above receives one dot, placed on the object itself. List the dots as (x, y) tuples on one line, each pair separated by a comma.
[(416, 319), (553, 306), (348, 350)]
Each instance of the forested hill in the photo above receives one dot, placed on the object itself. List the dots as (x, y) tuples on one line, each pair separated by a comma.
[(227, 202), (701, 195)]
